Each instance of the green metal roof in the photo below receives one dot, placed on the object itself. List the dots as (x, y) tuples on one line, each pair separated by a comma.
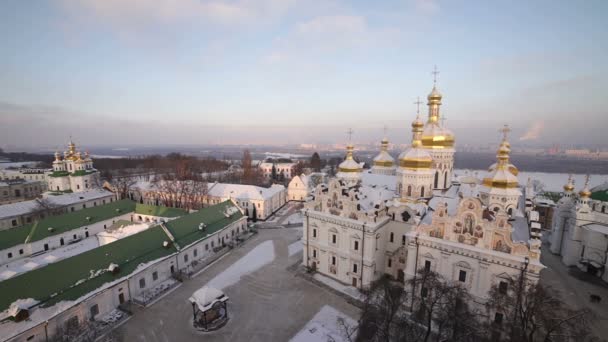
[(63, 223), (159, 211), (601, 195), (56, 282), (185, 229)]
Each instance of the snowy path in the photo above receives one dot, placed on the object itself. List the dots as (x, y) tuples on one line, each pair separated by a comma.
[(295, 247), (324, 326), (261, 255)]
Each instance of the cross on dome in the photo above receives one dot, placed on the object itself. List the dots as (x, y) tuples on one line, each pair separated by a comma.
[(435, 72), (418, 103), (505, 132), (349, 132)]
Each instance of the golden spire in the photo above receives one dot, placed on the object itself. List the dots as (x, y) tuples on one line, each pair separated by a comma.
[(504, 149), (585, 193), (569, 187), (501, 176), (434, 99)]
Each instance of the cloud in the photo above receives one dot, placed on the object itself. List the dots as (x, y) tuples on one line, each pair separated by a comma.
[(136, 14), (534, 132)]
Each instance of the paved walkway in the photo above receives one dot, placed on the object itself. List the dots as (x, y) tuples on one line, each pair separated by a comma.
[(270, 304), (575, 292)]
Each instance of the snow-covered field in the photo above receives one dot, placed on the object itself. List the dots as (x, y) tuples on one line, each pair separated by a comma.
[(325, 326), (295, 247), (550, 181), (27, 264), (261, 255), (347, 290)]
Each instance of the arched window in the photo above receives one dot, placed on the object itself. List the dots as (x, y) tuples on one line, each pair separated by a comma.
[(399, 191), (445, 179), (409, 190), (510, 211), (436, 179), (422, 192)]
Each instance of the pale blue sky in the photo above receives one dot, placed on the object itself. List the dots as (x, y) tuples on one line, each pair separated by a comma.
[(198, 71)]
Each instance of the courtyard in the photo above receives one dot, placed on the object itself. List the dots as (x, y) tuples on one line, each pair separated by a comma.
[(268, 302)]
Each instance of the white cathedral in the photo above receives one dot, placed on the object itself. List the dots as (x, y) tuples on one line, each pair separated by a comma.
[(405, 215), (74, 172)]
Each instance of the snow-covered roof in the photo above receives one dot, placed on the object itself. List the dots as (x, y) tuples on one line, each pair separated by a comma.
[(598, 228), (22, 208), (243, 192), (371, 179), (206, 296)]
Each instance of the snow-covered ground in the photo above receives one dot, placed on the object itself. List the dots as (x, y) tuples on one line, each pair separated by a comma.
[(295, 247), (121, 231), (550, 181), (347, 290), (261, 255), (27, 264), (294, 218), (326, 326)]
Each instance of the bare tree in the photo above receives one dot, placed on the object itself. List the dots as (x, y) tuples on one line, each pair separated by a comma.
[(183, 187), (521, 311)]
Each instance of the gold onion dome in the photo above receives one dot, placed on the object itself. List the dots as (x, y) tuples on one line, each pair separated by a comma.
[(585, 193), (437, 137), (501, 177), (384, 158), (415, 157), (349, 164), (569, 187), (434, 96)]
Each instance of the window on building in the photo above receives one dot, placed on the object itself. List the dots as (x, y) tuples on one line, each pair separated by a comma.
[(392, 237), (61, 242), (14, 223), (498, 318), (74, 236), (142, 283), (46, 246), (403, 240), (195, 252), (78, 186), (356, 245), (427, 265), (94, 311), (154, 275), (334, 238), (462, 276), (28, 220), (10, 255), (84, 206), (72, 209), (86, 234), (314, 233), (390, 262), (314, 253), (502, 287), (354, 268), (20, 251), (185, 257), (206, 246), (333, 260)]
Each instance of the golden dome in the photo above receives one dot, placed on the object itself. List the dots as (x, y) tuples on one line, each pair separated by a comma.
[(569, 187), (501, 174), (434, 96), (384, 159), (416, 158), (437, 137), (349, 164), (585, 193)]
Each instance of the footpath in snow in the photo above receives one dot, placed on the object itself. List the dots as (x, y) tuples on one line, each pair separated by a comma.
[(295, 247), (347, 290), (325, 326), (261, 255)]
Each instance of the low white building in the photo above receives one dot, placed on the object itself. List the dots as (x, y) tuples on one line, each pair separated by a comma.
[(580, 229), (17, 214), (253, 200), (93, 284), (298, 189), (284, 168)]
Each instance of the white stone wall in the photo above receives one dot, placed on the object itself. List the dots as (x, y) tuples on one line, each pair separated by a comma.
[(443, 164)]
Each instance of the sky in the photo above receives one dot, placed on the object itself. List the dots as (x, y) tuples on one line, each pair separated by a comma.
[(140, 72)]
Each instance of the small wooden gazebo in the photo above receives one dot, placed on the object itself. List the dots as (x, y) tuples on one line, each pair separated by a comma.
[(209, 308)]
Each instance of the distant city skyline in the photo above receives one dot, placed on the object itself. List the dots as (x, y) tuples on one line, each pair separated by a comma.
[(114, 73)]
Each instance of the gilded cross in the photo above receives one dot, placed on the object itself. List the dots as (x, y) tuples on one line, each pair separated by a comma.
[(435, 72), (418, 103), (349, 132), (505, 131)]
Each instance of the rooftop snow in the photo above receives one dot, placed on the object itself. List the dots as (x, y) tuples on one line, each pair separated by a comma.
[(25, 207), (243, 192)]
